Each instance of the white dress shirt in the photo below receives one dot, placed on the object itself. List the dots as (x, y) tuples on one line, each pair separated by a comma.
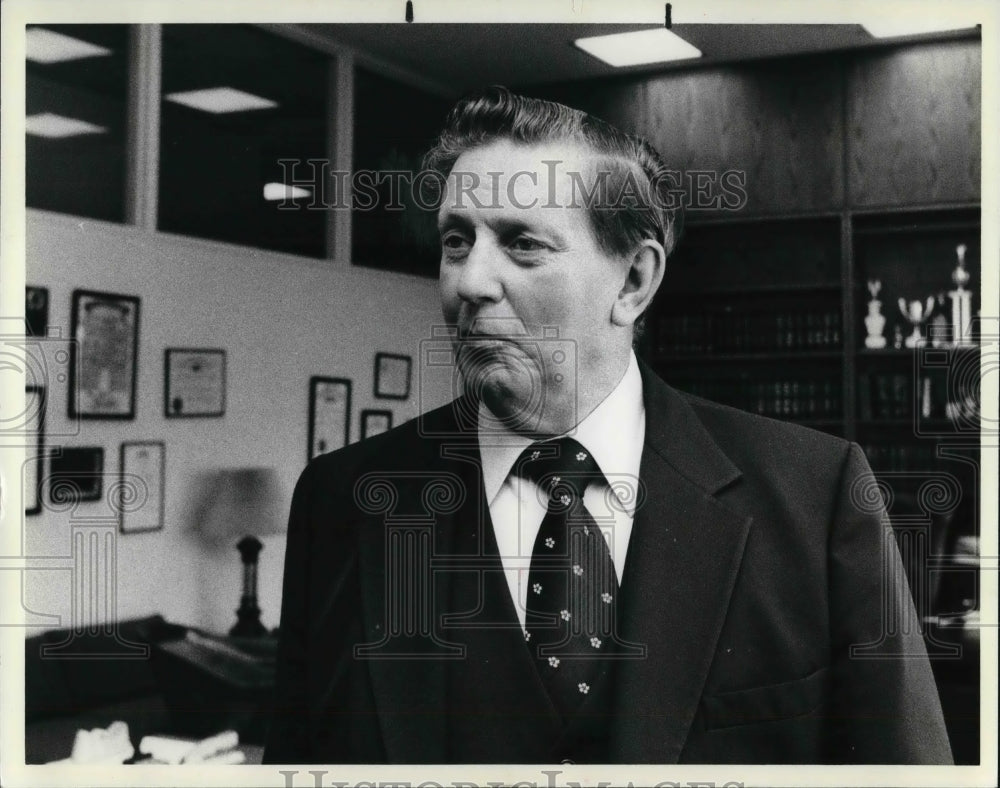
[(613, 433)]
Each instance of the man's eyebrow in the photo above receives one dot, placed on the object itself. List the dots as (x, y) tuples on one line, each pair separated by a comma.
[(504, 226), (447, 221), (509, 226)]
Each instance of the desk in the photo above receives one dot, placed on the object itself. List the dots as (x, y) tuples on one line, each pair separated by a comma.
[(214, 683)]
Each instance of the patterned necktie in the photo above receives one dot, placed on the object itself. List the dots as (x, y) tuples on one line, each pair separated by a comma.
[(572, 584)]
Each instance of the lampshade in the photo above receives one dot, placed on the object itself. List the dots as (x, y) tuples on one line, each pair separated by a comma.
[(238, 502)]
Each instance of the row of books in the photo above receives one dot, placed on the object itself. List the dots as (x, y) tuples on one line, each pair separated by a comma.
[(896, 457), (732, 331), (884, 395), (790, 398)]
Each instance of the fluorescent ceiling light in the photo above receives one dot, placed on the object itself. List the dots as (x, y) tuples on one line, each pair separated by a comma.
[(891, 27), (220, 100), (48, 124), (284, 191), (47, 46), (656, 45)]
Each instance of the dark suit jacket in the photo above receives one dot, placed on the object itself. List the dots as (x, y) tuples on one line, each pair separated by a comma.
[(761, 577)]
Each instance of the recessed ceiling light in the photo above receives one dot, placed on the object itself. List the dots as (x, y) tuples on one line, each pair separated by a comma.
[(220, 100), (285, 191), (48, 124), (892, 27), (48, 46), (656, 45)]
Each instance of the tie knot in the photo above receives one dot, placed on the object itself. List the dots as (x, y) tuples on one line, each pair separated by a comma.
[(559, 462)]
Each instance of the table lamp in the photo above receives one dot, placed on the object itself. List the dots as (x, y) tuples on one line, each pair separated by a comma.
[(243, 503)]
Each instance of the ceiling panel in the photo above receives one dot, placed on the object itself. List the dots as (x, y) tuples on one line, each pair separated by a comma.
[(458, 57)]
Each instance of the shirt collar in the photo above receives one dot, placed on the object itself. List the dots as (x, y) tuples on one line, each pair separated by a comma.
[(613, 433)]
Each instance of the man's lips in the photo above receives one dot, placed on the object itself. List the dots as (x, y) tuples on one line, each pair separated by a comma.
[(491, 328), (480, 346)]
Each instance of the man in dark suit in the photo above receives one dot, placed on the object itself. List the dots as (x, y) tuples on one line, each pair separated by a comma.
[(573, 561)]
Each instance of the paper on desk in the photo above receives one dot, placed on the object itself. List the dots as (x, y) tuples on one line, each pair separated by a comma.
[(101, 745), (214, 749)]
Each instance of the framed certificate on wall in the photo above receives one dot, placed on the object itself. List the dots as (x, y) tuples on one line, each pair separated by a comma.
[(329, 414), (194, 382), (375, 422), (102, 373), (140, 487), (34, 411), (392, 375)]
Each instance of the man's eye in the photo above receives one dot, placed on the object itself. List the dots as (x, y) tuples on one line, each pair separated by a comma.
[(523, 244), (454, 242)]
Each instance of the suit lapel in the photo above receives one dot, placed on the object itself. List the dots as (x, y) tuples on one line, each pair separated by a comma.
[(408, 674), (683, 558)]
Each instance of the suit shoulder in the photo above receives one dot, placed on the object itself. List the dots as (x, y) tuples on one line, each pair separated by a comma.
[(739, 431)]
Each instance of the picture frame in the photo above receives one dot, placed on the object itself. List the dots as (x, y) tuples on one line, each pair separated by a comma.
[(392, 375), (76, 474), (142, 481), (36, 311), (194, 383), (329, 414), (102, 373), (375, 422), (34, 467)]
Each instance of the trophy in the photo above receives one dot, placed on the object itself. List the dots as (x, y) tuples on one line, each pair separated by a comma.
[(961, 302), (875, 320), (917, 314), (938, 331)]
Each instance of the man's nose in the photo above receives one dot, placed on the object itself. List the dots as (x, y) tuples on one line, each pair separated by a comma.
[(480, 274)]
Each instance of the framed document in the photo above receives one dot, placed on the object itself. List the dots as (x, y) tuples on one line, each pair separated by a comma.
[(36, 311), (194, 382), (375, 422), (76, 475), (140, 491), (392, 375), (329, 414), (102, 373), (34, 412)]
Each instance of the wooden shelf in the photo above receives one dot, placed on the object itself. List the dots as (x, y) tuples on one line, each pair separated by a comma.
[(938, 425), (818, 423), (908, 353), (708, 357), (832, 288)]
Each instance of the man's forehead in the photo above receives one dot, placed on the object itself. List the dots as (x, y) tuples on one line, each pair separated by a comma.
[(508, 157), (505, 173)]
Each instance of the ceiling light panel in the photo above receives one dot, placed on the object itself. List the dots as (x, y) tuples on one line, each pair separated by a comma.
[(220, 101), (53, 126), (48, 46), (284, 191), (657, 45)]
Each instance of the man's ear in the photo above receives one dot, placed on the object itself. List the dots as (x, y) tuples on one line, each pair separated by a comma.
[(642, 280)]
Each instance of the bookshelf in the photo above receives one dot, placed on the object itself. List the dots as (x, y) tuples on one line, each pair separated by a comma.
[(751, 315), (768, 315)]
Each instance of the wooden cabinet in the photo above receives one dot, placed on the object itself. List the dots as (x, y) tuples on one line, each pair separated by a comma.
[(913, 125), (779, 127), (879, 128)]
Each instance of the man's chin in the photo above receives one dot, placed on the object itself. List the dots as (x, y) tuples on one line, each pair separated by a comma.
[(514, 398)]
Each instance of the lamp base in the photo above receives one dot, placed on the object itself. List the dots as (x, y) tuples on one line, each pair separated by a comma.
[(248, 621), (248, 615)]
